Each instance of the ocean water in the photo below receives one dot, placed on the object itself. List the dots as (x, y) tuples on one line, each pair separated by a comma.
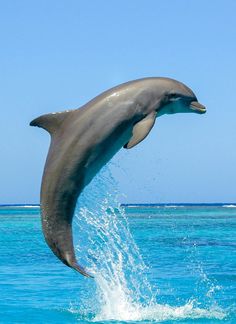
[(165, 264)]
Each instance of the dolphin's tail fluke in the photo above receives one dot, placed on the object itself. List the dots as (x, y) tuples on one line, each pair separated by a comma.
[(81, 270), (69, 259)]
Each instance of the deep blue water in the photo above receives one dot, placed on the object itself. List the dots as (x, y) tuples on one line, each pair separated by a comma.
[(163, 264)]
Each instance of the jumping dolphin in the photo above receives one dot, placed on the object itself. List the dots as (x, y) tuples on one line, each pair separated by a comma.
[(85, 139)]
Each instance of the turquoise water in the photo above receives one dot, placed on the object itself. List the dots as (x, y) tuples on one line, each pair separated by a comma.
[(163, 264)]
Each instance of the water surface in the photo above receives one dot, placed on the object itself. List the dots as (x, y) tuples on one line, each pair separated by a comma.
[(151, 263)]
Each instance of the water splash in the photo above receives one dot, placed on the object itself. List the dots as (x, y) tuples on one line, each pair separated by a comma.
[(108, 250), (111, 253)]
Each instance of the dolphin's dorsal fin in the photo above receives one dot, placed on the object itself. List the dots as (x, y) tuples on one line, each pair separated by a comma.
[(141, 130), (50, 122)]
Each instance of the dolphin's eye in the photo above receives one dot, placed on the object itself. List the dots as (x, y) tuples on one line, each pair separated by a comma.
[(173, 95)]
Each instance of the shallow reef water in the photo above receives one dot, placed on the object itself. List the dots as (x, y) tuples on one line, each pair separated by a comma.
[(155, 263)]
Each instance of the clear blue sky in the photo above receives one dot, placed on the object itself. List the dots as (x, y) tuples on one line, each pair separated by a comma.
[(57, 55)]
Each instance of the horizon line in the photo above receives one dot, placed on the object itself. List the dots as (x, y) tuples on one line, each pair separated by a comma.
[(142, 204)]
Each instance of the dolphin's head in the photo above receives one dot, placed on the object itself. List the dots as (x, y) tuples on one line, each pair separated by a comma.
[(178, 98)]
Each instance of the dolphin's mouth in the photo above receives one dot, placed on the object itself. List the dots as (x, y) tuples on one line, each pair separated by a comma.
[(197, 107)]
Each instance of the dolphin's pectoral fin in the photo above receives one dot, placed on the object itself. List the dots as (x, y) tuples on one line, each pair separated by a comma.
[(50, 122), (141, 130)]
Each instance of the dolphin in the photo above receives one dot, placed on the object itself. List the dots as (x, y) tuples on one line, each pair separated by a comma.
[(85, 139)]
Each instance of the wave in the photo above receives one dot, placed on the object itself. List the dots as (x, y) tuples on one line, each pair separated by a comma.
[(174, 206), (18, 206), (30, 206), (229, 206)]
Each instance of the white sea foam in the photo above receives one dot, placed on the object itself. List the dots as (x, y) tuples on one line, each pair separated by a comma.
[(157, 313), (172, 206), (30, 206), (229, 206), (19, 206)]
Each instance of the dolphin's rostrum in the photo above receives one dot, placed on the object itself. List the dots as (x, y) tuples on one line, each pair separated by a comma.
[(85, 139)]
